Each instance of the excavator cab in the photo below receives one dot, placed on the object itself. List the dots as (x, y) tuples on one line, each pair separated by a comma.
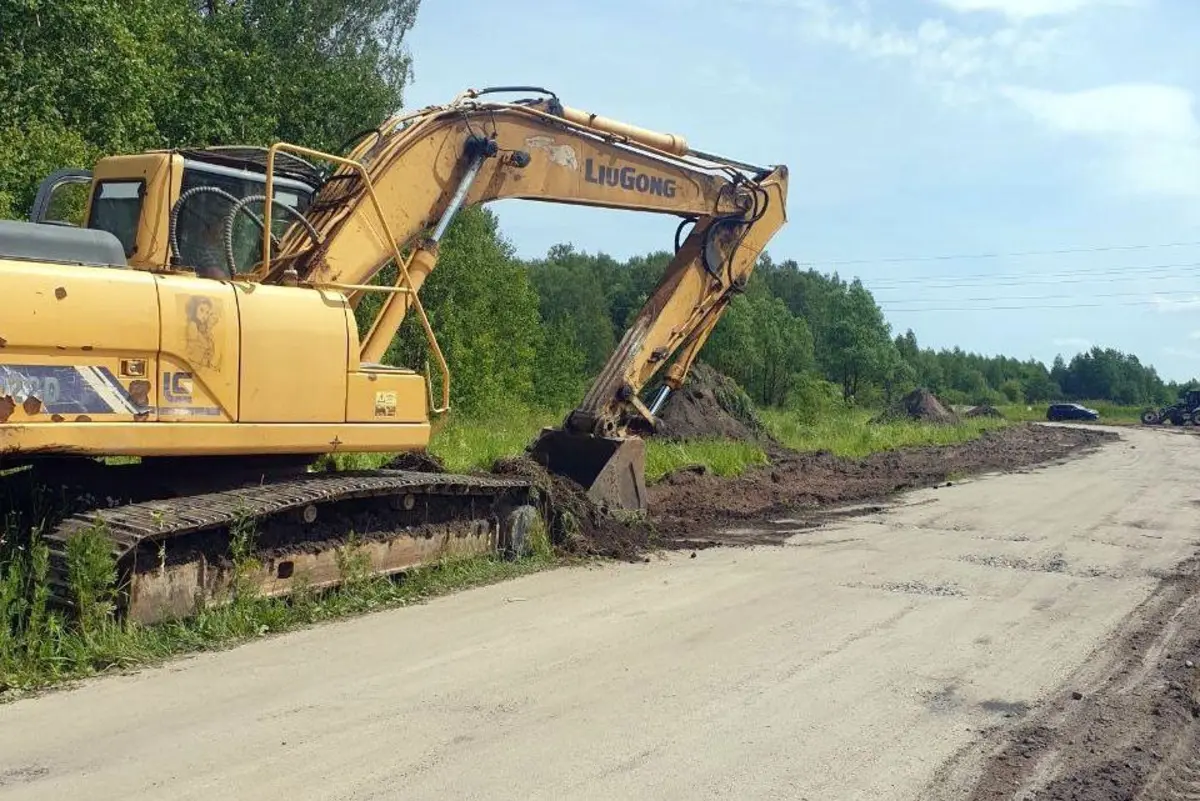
[(194, 192)]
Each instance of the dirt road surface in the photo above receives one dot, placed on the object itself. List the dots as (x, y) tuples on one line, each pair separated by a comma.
[(890, 656)]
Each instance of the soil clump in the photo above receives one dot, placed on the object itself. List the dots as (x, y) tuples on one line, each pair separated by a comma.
[(689, 504)]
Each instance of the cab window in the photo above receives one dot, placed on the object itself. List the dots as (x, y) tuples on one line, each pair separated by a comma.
[(204, 215), (62, 198), (116, 208)]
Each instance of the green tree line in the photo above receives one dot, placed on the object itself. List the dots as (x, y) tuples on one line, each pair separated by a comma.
[(534, 333), (83, 78)]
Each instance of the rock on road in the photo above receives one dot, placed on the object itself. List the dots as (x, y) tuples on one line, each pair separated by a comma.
[(851, 663)]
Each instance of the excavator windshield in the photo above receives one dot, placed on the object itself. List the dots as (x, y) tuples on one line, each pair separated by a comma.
[(207, 195)]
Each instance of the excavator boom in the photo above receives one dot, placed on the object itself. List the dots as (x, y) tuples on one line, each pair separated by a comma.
[(480, 151)]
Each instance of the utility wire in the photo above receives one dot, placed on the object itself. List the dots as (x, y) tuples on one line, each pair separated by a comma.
[(1105, 281), (1137, 270), (990, 298), (1024, 306), (1008, 255)]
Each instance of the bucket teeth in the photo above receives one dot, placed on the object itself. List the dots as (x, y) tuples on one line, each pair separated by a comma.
[(611, 470)]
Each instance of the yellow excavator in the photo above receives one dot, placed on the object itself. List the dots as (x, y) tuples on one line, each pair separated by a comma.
[(200, 314)]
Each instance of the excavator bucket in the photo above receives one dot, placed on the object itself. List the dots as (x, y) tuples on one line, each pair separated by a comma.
[(611, 470)]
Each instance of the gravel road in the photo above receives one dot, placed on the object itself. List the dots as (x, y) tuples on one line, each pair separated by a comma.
[(872, 658)]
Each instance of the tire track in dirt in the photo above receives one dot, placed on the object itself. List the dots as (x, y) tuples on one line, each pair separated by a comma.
[(1125, 728)]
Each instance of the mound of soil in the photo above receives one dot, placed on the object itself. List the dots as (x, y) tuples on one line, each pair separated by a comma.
[(985, 411), (688, 508), (688, 504), (417, 461), (921, 405), (710, 404), (577, 526)]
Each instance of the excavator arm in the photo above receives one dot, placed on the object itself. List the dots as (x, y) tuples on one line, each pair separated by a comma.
[(392, 197)]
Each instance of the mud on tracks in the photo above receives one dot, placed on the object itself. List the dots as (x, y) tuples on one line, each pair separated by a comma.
[(1126, 727)]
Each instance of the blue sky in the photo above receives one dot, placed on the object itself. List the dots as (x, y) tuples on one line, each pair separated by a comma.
[(913, 130)]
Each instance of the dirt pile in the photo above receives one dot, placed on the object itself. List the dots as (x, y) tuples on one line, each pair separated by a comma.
[(920, 405), (985, 410), (710, 404), (688, 508), (577, 526), (690, 504)]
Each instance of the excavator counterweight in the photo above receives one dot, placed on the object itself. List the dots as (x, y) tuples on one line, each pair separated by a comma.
[(167, 326)]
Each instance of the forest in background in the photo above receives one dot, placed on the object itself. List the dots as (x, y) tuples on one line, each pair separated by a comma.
[(84, 78)]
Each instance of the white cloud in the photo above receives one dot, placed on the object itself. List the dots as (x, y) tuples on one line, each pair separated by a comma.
[(1150, 130), (956, 63), (1028, 9), (1194, 335), (1169, 304), (1181, 352), (1129, 109)]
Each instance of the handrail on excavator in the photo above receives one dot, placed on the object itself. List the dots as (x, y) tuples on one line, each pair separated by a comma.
[(401, 262)]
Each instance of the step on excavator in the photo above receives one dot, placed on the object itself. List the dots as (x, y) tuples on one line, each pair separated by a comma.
[(198, 313)]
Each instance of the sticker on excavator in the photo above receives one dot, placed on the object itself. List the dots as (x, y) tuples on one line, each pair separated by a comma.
[(612, 471), (385, 404)]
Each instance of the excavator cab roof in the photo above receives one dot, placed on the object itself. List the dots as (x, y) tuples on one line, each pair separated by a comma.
[(254, 159)]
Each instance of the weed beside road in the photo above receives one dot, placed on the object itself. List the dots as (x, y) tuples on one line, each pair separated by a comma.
[(851, 434)]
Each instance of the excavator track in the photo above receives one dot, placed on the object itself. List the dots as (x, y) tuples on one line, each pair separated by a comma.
[(175, 555)]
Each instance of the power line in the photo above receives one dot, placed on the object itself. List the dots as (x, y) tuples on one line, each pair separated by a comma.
[(972, 278), (1025, 306), (1107, 281), (989, 298), (999, 255)]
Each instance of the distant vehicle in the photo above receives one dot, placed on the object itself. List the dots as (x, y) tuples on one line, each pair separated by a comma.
[(1183, 411), (1071, 411)]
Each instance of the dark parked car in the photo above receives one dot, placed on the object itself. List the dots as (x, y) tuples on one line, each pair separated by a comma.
[(1071, 411)]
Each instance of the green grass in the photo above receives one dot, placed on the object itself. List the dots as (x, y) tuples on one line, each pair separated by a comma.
[(722, 457), (1110, 413), (464, 444), (851, 435)]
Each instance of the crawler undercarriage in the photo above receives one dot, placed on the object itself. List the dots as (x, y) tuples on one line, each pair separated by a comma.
[(275, 529)]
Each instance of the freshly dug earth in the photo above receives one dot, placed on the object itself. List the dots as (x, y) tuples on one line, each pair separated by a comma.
[(690, 506), (921, 405), (985, 411), (577, 526), (710, 404), (1127, 729)]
